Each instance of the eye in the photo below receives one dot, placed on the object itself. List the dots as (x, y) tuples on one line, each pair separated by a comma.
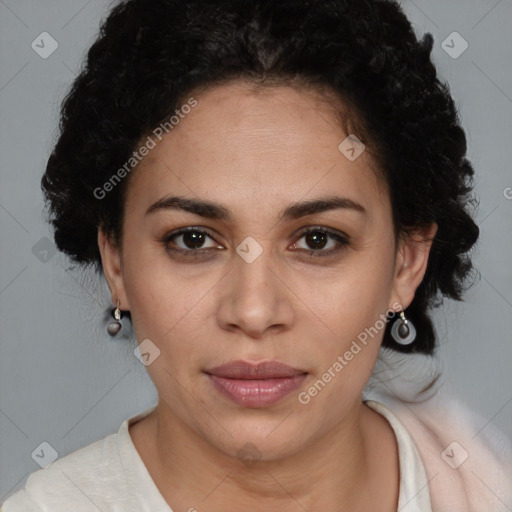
[(318, 238), (190, 241)]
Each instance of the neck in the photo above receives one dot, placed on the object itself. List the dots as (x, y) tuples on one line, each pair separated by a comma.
[(334, 472)]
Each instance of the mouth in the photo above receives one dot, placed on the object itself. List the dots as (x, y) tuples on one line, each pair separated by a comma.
[(256, 386)]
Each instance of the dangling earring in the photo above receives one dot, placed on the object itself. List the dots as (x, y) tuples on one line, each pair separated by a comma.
[(115, 326), (403, 330)]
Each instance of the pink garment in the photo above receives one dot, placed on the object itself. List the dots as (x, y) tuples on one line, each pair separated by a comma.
[(468, 462)]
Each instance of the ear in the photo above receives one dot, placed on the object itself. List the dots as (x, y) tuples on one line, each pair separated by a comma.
[(112, 267), (411, 265)]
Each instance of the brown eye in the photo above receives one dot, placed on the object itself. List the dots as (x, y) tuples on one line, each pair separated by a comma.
[(189, 241), (193, 239), (317, 239)]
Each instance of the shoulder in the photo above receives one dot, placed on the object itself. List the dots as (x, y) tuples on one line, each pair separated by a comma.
[(94, 471), (466, 458)]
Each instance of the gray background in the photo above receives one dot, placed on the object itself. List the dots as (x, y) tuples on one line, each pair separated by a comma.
[(64, 381)]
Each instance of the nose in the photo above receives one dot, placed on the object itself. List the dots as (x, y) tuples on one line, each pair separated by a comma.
[(255, 299)]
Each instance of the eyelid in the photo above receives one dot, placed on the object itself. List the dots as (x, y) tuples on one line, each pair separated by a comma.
[(330, 231), (181, 231)]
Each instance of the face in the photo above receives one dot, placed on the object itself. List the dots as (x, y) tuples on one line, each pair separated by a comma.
[(249, 283)]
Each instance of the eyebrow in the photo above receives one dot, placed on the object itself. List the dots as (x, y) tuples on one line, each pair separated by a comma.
[(216, 211)]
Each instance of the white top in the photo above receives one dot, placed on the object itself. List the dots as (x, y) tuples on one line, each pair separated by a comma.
[(109, 476), (414, 494)]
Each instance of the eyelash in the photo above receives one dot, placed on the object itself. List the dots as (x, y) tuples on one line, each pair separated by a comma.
[(343, 241)]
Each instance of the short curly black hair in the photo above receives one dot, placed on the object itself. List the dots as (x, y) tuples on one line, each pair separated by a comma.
[(150, 55)]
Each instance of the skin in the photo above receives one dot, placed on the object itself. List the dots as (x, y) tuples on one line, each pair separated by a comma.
[(256, 154)]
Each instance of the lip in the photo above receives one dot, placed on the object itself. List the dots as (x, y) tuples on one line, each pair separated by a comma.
[(256, 385), (246, 370)]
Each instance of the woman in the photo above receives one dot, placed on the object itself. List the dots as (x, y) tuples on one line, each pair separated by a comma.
[(275, 193)]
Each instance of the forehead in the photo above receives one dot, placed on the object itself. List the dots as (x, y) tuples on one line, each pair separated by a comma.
[(263, 147)]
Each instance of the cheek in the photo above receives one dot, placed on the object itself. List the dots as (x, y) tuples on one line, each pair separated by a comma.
[(158, 294), (171, 311), (349, 300), (347, 324), (353, 323)]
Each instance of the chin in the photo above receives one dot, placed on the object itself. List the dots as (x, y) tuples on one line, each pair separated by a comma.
[(257, 439)]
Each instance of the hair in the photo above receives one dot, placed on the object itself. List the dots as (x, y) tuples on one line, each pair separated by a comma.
[(150, 56)]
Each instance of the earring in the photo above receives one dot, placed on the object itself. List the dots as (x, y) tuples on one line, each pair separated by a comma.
[(115, 326), (403, 330)]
